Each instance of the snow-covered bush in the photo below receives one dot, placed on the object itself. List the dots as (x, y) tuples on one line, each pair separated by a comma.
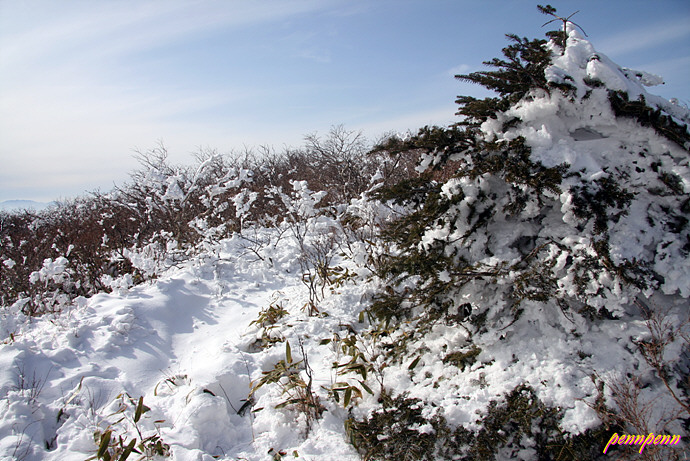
[(165, 198), (38, 244), (167, 212), (519, 427)]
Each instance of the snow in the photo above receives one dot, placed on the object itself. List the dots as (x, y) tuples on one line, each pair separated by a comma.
[(9, 263), (169, 341), (51, 270), (585, 134), (189, 342)]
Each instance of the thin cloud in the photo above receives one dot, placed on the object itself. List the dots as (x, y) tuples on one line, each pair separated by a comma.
[(670, 66), (100, 31), (81, 83), (441, 116), (459, 69), (647, 37), (322, 57), (65, 87)]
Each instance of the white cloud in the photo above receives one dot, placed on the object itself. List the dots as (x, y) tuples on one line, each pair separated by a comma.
[(82, 82), (125, 26)]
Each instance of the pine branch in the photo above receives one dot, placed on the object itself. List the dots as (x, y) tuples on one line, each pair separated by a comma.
[(563, 35)]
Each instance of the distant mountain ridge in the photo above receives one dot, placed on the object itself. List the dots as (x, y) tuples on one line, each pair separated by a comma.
[(16, 205)]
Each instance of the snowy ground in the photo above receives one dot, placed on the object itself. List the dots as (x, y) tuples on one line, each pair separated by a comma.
[(184, 343)]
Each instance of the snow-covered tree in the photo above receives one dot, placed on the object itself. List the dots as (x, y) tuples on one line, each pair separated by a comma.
[(552, 213)]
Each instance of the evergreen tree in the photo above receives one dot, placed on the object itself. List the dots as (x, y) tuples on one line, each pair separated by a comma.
[(521, 71), (516, 221), (494, 195)]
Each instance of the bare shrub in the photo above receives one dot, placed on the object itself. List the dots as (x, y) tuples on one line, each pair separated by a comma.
[(664, 331), (340, 163), (170, 209), (30, 241), (636, 410), (315, 263), (163, 196)]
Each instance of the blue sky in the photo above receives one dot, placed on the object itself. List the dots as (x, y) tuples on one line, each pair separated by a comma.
[(84, 83)]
